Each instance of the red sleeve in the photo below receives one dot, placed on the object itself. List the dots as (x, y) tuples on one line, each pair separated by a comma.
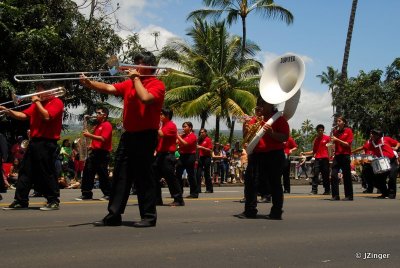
[(56, 109), (169, 130), (29, 111), (123, 86), (106, 131), (209, 143), (392, 142)]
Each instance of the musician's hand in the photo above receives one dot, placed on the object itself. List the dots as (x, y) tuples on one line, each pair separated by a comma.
[(133, 73), (84, 80), (35, 98), (85, 133), (268, 129)]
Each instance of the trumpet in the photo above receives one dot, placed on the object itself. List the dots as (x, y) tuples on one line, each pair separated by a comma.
[(115, 67), (44, 95)]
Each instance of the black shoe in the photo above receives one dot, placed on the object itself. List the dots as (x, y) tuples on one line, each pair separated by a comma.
[(1, 197), (144, 224), (313, 193), (347, 199), (327, 193), (109, 220), (84, 198), (265, 199), (54, 205), (208, 192), (36, 194), (335, 198), (392, 196), (286, 192), (16, 206), (273, 217), (176, 204), (243, 200), (160, 203), (245, 215), (367, 192), (192, 196)]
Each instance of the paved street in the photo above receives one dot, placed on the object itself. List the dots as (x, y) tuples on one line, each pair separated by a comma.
[(314, 232)]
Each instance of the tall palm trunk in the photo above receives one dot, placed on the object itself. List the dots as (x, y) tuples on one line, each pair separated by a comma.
[(217, 119), (244, 35), (347, 49)]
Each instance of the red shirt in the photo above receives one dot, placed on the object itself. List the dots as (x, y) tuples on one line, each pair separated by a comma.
[(103, 129), (386, 143), (190, 148), (49, 129), (137, 115), (167, 143), (207, 143), (320, 149), (289, 144), (267, 143), (366, 148), (345, 135)]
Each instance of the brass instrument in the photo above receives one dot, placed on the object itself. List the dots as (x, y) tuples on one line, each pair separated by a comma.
[(82, 142), (115, 67), (44, 95), (24, 144), (251, 130), (280, 83)]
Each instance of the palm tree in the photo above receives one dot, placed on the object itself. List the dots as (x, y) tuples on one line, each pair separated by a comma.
[(347, 46), (215, 80), (235, 8), (331, 78), (306, 128)]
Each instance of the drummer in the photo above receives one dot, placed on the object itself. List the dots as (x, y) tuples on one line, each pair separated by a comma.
[(367, 175), (382, 146)]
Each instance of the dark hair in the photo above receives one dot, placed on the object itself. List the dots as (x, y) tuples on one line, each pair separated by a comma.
[(64, 142), (103, 109), (167, 112), (146, 58), (188, 123), (343, 119), (320, 126), (378, 132)]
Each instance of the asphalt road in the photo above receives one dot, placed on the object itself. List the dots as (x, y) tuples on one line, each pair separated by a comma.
[(314, 232)]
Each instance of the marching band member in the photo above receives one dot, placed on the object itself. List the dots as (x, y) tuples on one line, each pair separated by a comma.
[(382, 146), (38, 164), (367, 174), (321, 161), (99, 157), (342, 137), (205, 148), (165, 162), (143, 97), (290, 146), (266, 165)]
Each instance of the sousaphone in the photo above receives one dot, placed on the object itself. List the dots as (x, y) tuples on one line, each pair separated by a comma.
[(280, 82)]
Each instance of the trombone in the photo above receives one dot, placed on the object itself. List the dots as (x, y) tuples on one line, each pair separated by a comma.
[(115, 67), (44, 95)]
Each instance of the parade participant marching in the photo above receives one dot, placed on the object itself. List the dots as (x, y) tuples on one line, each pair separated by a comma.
[(290, 146), (187, 150), (342, 137), (99, 157), (205, 148), (382, 146), (321, 161), (165, 162), (143, 96), (266, 164), (38, 164)]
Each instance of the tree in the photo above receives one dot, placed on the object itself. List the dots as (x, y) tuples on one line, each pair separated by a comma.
[(306, 128), (331, 78), (50, 36), (347, 46), (242, 8), (215, 80)]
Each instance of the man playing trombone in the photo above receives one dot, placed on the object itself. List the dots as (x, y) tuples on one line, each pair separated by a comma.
[(38, 164), (143, 97)]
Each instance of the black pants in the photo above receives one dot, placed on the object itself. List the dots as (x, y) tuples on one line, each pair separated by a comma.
[(164, 167), (203, 167), (2, 184), (321, 165), (286, 175), (96, 163), (186, 161), (380, 179), (342, 161), (133, 163), (264, 169), (38, 169), (367, 176)]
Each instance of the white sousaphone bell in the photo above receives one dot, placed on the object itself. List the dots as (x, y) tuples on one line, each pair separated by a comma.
[(280, 83)]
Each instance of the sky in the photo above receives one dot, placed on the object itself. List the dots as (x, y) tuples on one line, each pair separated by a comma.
[(317, 35)]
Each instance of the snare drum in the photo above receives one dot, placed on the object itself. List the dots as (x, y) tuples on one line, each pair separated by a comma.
[(380, 165)]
